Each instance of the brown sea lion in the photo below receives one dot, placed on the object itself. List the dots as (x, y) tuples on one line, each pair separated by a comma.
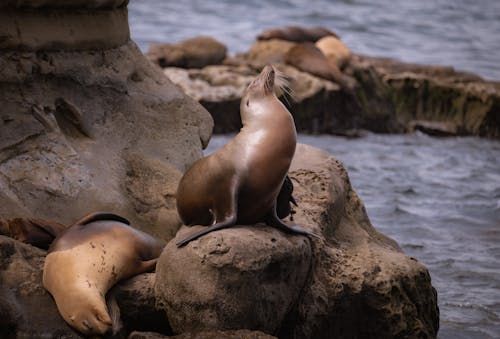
[(296, 34), (309, 58), (241, 181), (33, 231), (86, 260)]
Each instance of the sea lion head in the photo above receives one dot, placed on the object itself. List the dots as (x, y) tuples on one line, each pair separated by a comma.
[(87, 316)]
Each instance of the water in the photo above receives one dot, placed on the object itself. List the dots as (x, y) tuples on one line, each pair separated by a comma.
[(460, 33), (440, 200)]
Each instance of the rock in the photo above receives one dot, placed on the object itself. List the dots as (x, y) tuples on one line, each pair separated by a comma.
[(86, 130), (242, 277), (335, 50), (358, 283), (361, 284), (434, 128), (191, 53), (22, 296), (394, 94)]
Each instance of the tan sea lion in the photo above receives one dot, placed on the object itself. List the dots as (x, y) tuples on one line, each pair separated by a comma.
[(86, 260), (335, 50), (296, 34), (241, 181)]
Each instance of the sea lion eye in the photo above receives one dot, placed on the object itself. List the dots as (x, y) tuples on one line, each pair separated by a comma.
[(248, 102)]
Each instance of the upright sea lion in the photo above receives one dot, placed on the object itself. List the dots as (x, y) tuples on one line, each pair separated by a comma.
[(296, 34), (240, 182), (86, 260)]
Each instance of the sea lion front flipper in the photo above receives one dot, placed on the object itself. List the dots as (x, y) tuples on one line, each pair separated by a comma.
[(101, 216), (218, 226), (273, 220)]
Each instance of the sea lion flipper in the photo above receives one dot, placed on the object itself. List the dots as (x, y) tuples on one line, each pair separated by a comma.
[(218, 226), (274, 221), (100, 216), (148, 265)]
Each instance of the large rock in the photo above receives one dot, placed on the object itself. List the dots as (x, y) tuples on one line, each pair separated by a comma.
[(91, 128), (22, 297), (191, 53), (357, 284), (393, 95), (243, 277)]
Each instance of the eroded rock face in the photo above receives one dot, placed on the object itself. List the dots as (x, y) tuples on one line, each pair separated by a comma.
[(356, 284), (243, 277), (85, 130)]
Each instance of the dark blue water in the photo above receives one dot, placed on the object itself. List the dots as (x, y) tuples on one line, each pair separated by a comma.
[(460, 33), (439, 198)]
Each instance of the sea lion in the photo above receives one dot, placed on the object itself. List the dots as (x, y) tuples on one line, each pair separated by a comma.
[(33, 231), (240, 182), (309, 58), (86, 260), (335, 50), (296, 34)]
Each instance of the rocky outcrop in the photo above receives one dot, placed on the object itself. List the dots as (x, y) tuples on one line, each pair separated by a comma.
[(89, 125), (376, 94), (355, 283)]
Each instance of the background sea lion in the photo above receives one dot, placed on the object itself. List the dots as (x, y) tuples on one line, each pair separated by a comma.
[(86, 260), (309, 58), (240, 182), (296, 34), (335, 50)]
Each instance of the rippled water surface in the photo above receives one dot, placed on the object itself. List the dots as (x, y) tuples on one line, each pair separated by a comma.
[(461, 33), (440, 199)]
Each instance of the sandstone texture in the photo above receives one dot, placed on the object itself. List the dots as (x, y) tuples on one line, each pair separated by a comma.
[(85, 129), (354, 283)]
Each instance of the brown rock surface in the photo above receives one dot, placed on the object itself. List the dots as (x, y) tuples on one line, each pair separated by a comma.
[(214, 334), (242, 277), (191, 53), (90, 130), (357, 284)]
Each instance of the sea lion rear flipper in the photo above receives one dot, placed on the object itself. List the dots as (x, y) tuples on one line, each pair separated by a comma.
[(218, 226), (33, 231), (273, 220), (101, 216)]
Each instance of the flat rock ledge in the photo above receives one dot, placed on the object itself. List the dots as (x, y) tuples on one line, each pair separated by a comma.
[(386, 96), (356, 282)]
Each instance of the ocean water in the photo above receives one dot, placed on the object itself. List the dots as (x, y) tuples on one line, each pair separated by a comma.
[(439, 198), (464, 34)]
